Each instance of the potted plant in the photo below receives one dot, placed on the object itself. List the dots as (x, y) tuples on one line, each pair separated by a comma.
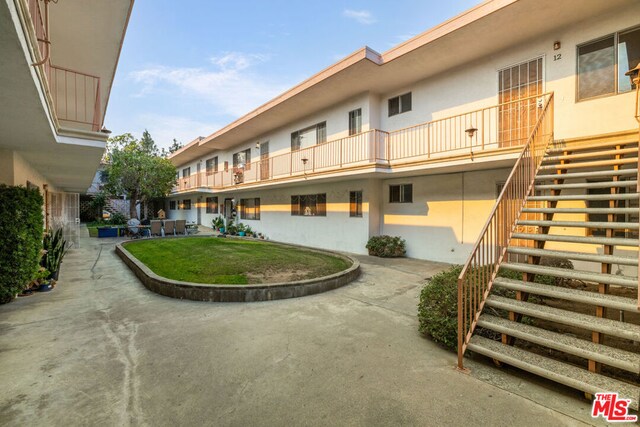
[(248, 231), (43, 280), (218, 223), (241, 229), (56, 248)]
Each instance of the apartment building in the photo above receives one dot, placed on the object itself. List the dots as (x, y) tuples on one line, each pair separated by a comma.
[(381, 143), (504, 139), (58, 64)]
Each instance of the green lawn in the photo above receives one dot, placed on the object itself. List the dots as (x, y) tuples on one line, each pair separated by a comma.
[(232, 261)]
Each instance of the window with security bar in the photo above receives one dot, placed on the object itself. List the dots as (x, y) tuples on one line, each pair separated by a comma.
[(309, 205)]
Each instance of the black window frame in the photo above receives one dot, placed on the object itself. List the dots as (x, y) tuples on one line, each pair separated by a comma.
[(211, 165), (618, 73), (186, 204), (355, 121), (172, 205), (299, 204), (186, 172), (321, 135), (400, 104), (244, 203), (247, 158), (212, 206), (403, 190), (355, 204)]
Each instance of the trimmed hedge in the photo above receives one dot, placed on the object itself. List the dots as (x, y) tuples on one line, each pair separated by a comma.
[(21, 227), (386, 246)]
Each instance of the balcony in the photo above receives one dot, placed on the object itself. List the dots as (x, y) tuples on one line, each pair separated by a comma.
[(74, 96), (494, 129)]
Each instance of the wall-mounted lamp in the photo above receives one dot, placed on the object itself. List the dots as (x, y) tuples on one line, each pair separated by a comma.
[(471, 131), (105, 130), (258, 145), (304, 160), (557, 45), (634, 74)]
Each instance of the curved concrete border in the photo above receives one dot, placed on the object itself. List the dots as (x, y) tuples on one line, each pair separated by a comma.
[(239, 293)]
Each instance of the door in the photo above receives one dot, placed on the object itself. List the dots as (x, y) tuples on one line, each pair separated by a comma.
[(519, 86), (228, 208), (64, 212), (264, 160), (198, 166), (199, 209)]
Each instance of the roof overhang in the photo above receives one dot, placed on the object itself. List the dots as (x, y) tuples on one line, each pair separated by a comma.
[(488, 28)]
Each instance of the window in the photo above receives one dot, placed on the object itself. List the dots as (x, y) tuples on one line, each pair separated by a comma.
[(211, 166), (186, 204), (400, 104), (242, 159), (355, 121), (186, 172), (402, 193), (172, 205), (601, 66), (312, 135), (355, 204), (309, 205), (250, 208), (212, 205)]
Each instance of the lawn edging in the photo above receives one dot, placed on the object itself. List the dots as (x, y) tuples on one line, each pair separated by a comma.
[(239, 293)]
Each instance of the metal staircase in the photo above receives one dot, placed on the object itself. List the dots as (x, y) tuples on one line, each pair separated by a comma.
[(583, 207)]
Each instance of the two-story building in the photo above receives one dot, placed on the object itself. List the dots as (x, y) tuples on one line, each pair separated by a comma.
[(381, 143), (58, 64)]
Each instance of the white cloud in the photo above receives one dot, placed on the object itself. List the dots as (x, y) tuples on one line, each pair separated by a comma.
[(361, 16), (164, 128), (230, 87)]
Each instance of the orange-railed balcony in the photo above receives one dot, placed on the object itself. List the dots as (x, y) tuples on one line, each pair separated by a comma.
[(484, 130), (75, 96)]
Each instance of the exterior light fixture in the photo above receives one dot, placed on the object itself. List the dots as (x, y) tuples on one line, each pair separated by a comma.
[(304, 160), (471, 131), (634, 74), (258, 145), (105, 130), (557, 45)]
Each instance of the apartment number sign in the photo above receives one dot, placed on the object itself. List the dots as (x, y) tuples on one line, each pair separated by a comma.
[(557, 57)]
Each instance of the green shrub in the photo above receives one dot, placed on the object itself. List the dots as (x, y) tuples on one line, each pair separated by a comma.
[(117, 219), (21, 227), (386, 246), (438, 308)]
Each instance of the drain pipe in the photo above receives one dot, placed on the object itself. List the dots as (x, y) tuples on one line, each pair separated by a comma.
[(45, 40)]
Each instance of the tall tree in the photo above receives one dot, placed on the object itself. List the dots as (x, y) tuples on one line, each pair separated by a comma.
[(135, 169), (175, 146)]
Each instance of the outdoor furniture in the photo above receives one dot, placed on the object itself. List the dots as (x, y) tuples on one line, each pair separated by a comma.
[(181, 226), (192, 228), (156, 228), (107, 232), (134, 229), (169, 227)]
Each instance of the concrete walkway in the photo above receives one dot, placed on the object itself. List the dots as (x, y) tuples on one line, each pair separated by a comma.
[(102, 350)]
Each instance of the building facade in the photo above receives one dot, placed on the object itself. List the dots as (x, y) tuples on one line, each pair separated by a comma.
[(418, 141), (58, 64)]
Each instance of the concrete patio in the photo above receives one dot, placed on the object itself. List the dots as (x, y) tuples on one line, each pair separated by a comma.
[(103, 350)]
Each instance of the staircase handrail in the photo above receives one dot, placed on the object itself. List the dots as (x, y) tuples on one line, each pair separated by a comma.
[(479, 272)]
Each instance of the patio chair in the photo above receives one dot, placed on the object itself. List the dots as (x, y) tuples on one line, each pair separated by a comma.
[(156, 228), (169, 227), (133, 229), (181, 226)]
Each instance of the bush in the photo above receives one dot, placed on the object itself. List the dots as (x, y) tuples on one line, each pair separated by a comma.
[(386, 246), (438, 308), (21, 226), (117, 219)]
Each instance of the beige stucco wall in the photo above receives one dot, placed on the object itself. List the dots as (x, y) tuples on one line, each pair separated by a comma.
[(6, 167)]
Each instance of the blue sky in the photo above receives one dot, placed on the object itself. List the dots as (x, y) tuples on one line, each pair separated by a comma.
[(189, 67)]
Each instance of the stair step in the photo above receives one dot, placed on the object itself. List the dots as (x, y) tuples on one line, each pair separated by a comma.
[(591, 240), (590, 154), (621, 196), (568, 294), (582, 210), (587, 276), (621, 359), (563, 373), (602, 184), (573, 148), (599, 163), (593, 174), (576, 256), (582, 224), (565, 317)]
